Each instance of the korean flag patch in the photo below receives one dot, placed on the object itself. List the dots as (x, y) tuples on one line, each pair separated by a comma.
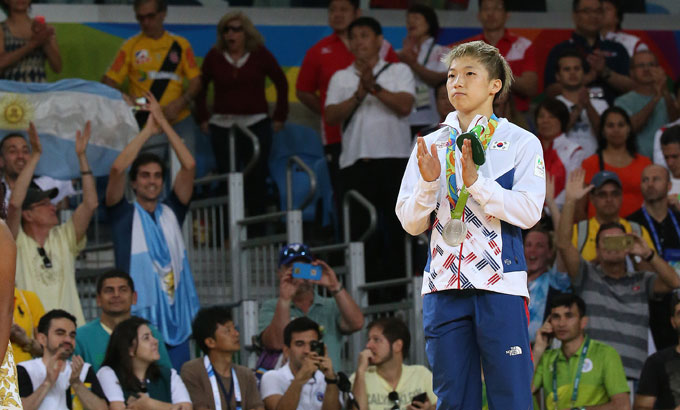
[(539, 167), (500, 145)]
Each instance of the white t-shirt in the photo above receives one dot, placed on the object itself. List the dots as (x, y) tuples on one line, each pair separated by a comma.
[(657, 157), (582, 131), (276, 382), (55, 399), (675, 186), (632, 43), (374, 131), (425, 106), (109, 381)]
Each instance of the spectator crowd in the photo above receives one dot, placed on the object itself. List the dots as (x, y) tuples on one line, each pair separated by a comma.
[(603, 264)]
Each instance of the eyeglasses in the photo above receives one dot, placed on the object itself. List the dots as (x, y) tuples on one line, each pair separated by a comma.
[(394, 398), (148, 16), (46, 260), (235, 29)]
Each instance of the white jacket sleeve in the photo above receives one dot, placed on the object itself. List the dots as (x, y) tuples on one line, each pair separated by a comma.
[(417, 197), (522, 205)]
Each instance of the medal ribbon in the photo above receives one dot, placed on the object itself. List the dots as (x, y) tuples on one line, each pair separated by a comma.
[(457, 202)]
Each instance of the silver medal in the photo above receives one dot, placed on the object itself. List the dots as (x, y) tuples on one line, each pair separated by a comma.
[(454, 232)]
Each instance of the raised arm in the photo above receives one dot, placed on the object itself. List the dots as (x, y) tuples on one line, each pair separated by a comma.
[(419, 188), (351, 317), (51, 49), (184, 180), (83, 213), (574, 191), (16, 200), (116, 186)]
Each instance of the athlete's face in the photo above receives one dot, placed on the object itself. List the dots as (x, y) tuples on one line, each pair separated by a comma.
[(567, 323), (469, 86)]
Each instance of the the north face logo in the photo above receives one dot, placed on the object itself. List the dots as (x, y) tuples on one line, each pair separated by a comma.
[(514, 351)]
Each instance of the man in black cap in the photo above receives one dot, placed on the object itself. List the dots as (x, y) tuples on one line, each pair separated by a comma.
[(46, 250), (606, 196), (338, 315), (615, 294)]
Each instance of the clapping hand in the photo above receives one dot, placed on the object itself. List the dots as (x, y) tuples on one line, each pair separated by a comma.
[(34, 140), (82, 139), (428, 161), (468, 165)]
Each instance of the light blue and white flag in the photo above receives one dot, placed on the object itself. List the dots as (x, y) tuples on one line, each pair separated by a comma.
[(60, 109)]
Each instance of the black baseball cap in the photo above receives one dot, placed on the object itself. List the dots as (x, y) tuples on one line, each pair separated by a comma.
[(603, 177), (293, 251), (35, 195)]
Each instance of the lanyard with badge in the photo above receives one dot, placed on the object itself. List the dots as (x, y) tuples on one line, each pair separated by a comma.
[(455, 230), (577, 378), (670, 255), (422, 89), (215, 381)]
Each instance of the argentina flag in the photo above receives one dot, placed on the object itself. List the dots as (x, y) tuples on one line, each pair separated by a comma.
[(60, 109)]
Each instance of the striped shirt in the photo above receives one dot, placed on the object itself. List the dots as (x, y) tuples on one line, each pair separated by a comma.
[(618, 311)]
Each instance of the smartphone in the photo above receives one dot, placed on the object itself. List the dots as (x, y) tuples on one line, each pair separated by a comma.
[(306, 271), (317, 347), (422, 398), (617, 242), (141, 101)]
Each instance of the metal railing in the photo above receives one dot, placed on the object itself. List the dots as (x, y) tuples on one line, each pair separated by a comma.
[(232, 149), (346, 216), (295, 160)]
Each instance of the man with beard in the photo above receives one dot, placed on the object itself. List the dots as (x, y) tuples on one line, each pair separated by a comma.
[(583, 372), (52, 381), (659, 386), (115, 297), (382, 380), (147, 236), (338, 315), (662, 223), (307, 381)]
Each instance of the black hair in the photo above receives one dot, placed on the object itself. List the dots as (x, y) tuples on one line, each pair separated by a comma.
[(571, 52), (430, 17), (557, 108), (46, 319), (11, 135), (161, 5), (114, 273), (393, 328), (568, 300), (606, 226), (301, 324), (479, 4), (118, 355), (143, 159), (631, 144), (369, 22), (619, 11), (576, 3), (671, 135), (354, 3), (206, 321)]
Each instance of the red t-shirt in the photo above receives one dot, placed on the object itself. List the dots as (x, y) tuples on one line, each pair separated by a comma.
[(630, 176), (520, 54), (320, 63)]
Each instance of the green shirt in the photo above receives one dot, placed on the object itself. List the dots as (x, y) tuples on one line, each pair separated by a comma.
[(602, 376), (92, 340), (323, 311)]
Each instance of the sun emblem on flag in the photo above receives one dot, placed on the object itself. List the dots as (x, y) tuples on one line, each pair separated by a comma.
[(16, 111)]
